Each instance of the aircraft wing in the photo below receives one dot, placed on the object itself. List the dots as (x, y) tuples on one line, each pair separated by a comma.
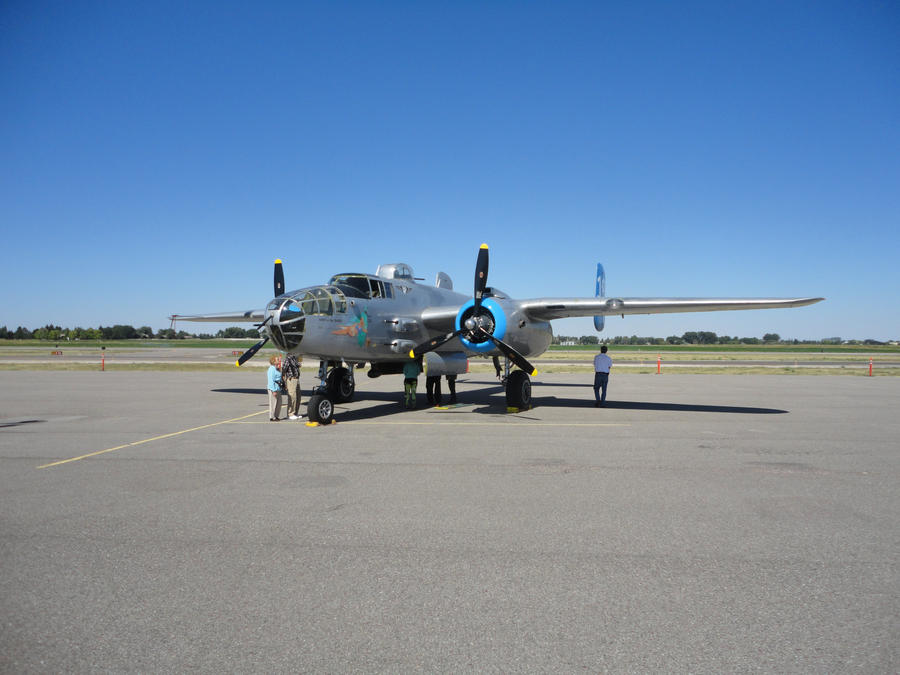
[(250, 316), (546, 309)]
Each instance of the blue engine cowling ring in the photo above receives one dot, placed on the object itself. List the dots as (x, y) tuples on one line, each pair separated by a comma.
[(499, 331)]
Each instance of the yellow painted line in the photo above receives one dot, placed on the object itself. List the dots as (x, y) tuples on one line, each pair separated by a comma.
[(148, 440)]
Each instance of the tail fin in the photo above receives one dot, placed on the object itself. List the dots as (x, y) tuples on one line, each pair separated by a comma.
[(600, 292)]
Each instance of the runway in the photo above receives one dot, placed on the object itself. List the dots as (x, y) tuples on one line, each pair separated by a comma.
[(157, 522)]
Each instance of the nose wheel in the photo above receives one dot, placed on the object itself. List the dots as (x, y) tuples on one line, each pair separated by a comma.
[(320, 409)]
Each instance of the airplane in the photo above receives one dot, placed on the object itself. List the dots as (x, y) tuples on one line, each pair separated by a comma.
[(385, 319)]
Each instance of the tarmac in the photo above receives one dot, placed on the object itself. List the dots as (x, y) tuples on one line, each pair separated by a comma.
[(157, 522), (77, 353)]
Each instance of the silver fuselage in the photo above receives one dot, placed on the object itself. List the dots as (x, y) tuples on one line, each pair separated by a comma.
[(362, 317)]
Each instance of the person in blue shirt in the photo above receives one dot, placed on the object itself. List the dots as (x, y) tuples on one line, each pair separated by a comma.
[(273, 376)]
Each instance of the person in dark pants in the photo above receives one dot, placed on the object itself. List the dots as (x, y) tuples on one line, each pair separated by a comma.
[(433, 389), (451, 386), (602, 365), (411, 370)]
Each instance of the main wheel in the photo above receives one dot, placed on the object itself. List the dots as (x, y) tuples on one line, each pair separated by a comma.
[(518, 390), (320, 409), (340, 385)]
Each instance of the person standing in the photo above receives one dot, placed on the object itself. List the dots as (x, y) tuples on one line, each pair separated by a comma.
[(273, 377), (290, 374), (602, 365), (433, 389), (451, 385), (411, 371)]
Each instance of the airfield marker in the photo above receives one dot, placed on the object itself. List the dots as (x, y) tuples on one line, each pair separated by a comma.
[(658, 363), (870, 367)]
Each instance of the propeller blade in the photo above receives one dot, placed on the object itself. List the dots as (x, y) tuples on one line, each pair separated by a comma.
[(247, 355), (481, 274), (279, 278), (512, 354), (434, 343)]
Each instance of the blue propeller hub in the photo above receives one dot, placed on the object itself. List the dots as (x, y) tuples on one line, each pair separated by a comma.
[(490, 317)]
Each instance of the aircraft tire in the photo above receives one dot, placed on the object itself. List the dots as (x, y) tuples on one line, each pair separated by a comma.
[(320, 409), (340, 385), (518, 390)]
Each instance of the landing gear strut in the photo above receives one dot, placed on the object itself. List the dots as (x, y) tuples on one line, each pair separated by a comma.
[(337, 385)]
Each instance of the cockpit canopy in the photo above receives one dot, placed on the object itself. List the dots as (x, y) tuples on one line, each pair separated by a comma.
[(395, 271), (362, 286)]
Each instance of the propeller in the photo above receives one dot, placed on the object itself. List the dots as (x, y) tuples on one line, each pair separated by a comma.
[(250, 353), (279, 290), (481, 272), (279, 278), (472, 327)]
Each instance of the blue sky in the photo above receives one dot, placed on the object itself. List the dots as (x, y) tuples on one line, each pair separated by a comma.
[(157, 157)]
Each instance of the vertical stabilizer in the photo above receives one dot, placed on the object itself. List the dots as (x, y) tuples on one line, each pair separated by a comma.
[(600, 292)]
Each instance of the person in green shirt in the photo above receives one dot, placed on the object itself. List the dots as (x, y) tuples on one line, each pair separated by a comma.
[(411, 370)]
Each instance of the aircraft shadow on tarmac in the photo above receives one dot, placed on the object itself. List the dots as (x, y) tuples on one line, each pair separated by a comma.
[(4, 425), (491, 400), (260, 392)]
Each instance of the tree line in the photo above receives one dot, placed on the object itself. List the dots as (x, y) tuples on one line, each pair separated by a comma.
[(123, 332), (701, 338)]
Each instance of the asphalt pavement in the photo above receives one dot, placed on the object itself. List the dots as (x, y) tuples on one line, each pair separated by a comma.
[(157, 522)]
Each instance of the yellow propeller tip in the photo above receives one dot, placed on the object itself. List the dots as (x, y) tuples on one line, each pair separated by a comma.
[(484, 246), (412, 354), (534, 372), (277, 261), (237, 363)]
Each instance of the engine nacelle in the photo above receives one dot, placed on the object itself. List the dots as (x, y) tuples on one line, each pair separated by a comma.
[(492, 319), (438, 365)]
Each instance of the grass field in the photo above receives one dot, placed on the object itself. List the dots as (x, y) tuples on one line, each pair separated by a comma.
[(218, 355)]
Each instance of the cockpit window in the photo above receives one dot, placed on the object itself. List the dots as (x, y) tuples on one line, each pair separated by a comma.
[(306, 302), (290, 311), (353, 285), (324, 301), (340, 302), (376, 288), (361, 286)]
